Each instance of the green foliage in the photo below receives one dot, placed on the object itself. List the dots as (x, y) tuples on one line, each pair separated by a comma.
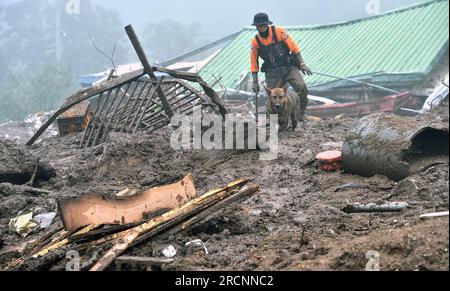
[(44, 50), (43, 89)]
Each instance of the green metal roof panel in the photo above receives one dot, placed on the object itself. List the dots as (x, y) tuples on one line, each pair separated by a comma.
[(404, 41)]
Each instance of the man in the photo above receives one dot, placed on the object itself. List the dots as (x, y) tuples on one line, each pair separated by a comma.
[(282, 60)]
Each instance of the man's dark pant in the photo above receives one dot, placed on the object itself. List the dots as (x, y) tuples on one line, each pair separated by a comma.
[(277, 78)]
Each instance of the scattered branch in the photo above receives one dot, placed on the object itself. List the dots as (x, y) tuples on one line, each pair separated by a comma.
[(110, 58)]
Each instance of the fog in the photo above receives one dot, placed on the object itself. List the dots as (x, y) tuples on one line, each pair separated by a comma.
[(45, 47), (225, 17)]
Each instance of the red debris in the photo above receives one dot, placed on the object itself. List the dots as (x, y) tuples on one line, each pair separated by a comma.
[(330, 160)]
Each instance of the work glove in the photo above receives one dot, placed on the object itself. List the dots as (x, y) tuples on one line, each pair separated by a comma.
[(256, 88), (305, 70)]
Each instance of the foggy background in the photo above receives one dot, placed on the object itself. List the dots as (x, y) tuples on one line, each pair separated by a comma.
[(225, 17), (44, 49)]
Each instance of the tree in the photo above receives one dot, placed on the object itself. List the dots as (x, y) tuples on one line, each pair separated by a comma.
[(38, 91), (44, 50), (167, 39)]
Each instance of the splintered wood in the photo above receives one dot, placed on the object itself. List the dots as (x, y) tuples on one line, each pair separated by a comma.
[(95, 209), (125, 239), (188, 213)]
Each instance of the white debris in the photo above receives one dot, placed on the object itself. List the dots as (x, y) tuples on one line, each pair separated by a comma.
[(45, 220), (169, 252), (434, 215)]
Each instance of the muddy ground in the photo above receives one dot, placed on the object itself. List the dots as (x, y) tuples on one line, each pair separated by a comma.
[(294, 223)]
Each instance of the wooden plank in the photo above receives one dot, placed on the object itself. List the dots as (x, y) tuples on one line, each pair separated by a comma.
[(96, 234), (204, 216), (58, 244), (95, 209), (125, 239)]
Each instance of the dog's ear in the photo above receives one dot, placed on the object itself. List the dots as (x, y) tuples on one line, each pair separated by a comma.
[(285, 88), (269, 92)]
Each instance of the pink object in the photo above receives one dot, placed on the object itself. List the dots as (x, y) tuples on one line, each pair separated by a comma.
[(330, 160)]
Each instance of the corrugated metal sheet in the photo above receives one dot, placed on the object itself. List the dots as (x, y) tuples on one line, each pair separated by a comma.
[(406, 43)]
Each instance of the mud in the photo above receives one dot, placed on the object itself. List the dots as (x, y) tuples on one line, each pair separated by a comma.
[(296, 222), (17, 165)]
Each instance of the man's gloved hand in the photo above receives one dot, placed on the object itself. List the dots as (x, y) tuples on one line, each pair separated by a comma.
[(305, 70), (256, 88), (300, 64)]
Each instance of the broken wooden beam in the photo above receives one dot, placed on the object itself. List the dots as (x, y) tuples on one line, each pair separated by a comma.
[(125, 239), (95, 209), (374, 207), (64, 241), (35, 171), (239, 196), (99, 233), (200, 215)]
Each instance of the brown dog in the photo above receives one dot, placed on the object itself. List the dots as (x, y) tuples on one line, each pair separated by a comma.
[(286, 104)]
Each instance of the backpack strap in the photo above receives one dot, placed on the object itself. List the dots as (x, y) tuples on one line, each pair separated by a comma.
[(258, 41), (274, 34)]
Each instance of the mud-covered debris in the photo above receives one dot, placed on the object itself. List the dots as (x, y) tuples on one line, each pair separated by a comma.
[(171, 220), (197, 243), (374, 207), (395, 146), (332, 146), (17, 165), (253, 234), (140, 263)]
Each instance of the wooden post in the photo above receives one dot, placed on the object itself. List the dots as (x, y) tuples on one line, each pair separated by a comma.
[(147, 67)]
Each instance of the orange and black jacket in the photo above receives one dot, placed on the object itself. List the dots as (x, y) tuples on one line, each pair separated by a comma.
[(267, 48)]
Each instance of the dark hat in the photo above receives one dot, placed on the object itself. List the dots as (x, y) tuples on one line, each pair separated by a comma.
[(261, 19)]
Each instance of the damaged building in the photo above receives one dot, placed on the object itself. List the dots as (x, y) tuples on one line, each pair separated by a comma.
[(360, 178)]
